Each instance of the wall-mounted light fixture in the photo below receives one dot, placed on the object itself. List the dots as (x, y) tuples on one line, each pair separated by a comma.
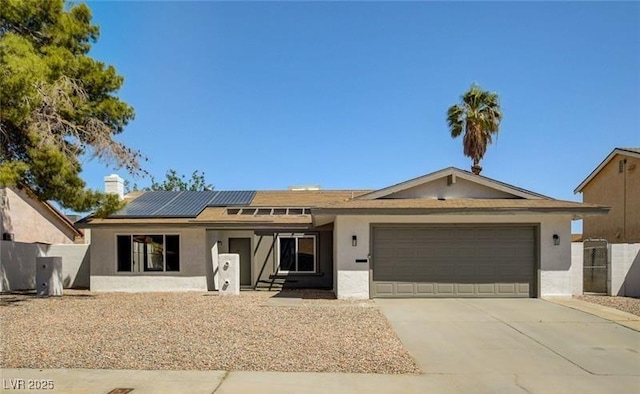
[(354, 240), (556, 239)]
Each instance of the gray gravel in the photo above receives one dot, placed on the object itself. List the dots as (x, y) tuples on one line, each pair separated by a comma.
[(198, 331), (625, 304)]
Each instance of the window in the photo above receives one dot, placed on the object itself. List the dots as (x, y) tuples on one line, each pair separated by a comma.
[(148, 253), (297, 253)]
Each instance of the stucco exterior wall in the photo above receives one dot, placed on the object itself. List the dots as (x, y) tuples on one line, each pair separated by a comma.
[(577, 266), (264, 259), (352, 278), (193, 256), (462, 188), (29, 221), (18, 264), (620, 191), (624, 270)]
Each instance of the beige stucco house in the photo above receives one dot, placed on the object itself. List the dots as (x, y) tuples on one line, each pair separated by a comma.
[(615, 182), (25, 218), (449, 233)]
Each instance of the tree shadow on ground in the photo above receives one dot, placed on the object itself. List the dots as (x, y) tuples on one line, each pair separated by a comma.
[(15, 297)]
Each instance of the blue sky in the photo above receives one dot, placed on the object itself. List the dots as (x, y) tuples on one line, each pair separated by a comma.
[(263, 95)]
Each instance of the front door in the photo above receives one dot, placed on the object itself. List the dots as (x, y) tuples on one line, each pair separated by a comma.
[(242, 247)]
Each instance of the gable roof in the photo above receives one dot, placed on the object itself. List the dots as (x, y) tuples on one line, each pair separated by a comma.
[(267, 208), (632, 152), (64, 219), (453, 172)]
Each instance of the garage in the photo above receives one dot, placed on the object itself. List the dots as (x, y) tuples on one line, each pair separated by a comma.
[(420, 260)]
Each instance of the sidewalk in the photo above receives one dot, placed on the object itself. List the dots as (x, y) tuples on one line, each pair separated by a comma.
[(623, 318), (76, 381)]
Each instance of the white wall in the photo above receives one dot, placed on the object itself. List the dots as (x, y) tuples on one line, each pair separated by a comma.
[(577, 266), (218, 242), (18, 264), (352, 279), (75, 264), (193, 258), (624, 270), (148, 283)]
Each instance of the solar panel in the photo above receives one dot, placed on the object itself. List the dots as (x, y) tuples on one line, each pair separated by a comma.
[(187, 204), (146, 204), (232, 198), (181, 204)]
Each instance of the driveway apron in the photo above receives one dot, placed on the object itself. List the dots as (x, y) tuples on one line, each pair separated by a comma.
[(525, 338)]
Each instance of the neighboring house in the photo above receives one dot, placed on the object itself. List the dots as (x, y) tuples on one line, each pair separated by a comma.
[(615, 183), (446, 234), (33, 228), (25, 218)]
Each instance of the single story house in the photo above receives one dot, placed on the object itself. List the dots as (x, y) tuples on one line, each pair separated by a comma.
[(446, 234)]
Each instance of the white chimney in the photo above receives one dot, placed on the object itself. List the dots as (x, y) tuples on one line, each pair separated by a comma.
[(113, 184)]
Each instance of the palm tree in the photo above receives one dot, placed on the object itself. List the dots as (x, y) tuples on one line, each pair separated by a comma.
[(478, 115)]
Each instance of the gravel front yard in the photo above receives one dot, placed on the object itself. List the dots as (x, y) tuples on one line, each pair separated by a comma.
[(625, 304), (186, 331)]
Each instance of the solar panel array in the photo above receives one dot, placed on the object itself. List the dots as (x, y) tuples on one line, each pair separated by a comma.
[(181, 204), (186, 204), (232, 198)]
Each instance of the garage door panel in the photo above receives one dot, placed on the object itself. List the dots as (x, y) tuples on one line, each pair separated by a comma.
[(461, 261), (445, 288), (506, 288), (424, 251), (425, 288), (486, 288), (405, 289), (465, 288), (404, 252)]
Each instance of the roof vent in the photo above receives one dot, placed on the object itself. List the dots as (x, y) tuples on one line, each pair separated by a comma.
[(303, 188)]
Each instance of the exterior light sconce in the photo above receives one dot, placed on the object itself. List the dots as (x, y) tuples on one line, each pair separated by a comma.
[(556, 239), (354, 240)]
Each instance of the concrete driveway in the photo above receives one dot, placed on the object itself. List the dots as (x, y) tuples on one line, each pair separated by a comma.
[(516, 345)]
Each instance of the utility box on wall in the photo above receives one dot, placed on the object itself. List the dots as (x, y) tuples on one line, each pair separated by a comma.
[(48, 276), (229, 274)]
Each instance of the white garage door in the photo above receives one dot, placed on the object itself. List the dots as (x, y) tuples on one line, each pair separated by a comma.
[(453, 261)]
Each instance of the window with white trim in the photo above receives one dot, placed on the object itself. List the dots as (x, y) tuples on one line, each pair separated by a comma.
[(148, 253), (296, 253)]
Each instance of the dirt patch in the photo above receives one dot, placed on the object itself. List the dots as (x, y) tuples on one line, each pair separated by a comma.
[(198, 331)]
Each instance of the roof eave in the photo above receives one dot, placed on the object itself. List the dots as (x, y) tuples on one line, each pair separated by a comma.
[(600, 166), (461, 211)]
